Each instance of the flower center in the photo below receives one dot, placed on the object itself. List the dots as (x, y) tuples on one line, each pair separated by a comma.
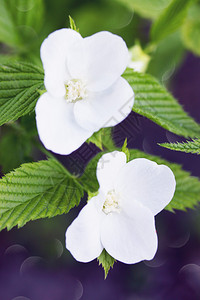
[(75, 90), (111, 203)]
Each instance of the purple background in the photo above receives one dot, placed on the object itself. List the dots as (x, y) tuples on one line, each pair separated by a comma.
[(34, 264)]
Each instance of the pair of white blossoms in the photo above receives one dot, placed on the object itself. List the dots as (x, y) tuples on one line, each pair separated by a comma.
[(85, 92)]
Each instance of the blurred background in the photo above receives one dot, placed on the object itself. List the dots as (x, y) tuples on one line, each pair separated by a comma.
[(34, 264)]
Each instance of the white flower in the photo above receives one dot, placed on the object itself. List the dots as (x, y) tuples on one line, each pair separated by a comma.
[(85, 91), (121, 217)]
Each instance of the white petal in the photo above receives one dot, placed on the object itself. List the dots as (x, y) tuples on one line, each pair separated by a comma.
[(83, 235), (99, 59), (53, 53), (144, 181), (130, 237), (57, 127), (108, 169), (107, 108)]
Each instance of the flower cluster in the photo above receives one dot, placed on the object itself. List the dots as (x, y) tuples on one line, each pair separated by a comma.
[(85, 92)]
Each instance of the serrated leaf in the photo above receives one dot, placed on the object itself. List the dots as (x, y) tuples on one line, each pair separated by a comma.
[(191, 30), (96, 139), (8, 58), (37, 190), (187, 193), (188, 147), (19, 90), (106, 261), (154, 102), (170, 19)]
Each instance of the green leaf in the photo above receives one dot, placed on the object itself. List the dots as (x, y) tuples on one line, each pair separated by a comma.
[(107, 140), (126, 150), (146, 8), (88, 179), (115, 18), (19, 90), (8, 32), (10, 159), (20, 21), (170, 19), (8, 58), (167, 57), (191, 30), (20, 136), (187, 193), (102, 138), (27, 13), (106, 261), (72, 24), (188, 147), (37, 190), (154, 102), (96, 139)]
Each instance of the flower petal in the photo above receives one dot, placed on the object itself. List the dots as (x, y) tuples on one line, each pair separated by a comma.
[(83, 235), (108, 169), (107, 108), (57, 127), (99, 59), (130, 237), (53, 53), (144, 181)]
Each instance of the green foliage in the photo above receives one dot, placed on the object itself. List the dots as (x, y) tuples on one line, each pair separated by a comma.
[(107, 140), (146, 8), (89, 179), (188, 147), (20, 21), (8, 32), (126, 150), (102, 138), (8, 58), (96, 139), (106, 261), (155, 103), (19, 136), (19, 85), (15, 149), (72, 24), (108, 15), (191, 30), (37, 190), (166, 57), (170, 19)]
